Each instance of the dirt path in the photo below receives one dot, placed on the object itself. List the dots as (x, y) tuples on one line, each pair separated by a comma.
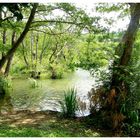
[(26, 117)]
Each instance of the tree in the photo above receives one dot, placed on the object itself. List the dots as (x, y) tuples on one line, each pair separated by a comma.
[(20, 39), (124, 49), (15, 9), (11, 57), (112, 97), (119, 86), (73, 19)]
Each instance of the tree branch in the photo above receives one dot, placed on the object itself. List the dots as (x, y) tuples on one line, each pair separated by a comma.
[(57, 21), (21, 37)]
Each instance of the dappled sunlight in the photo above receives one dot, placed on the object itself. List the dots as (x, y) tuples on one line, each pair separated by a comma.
[(69, 70), (93, 134), (23, 118), (43, 123)]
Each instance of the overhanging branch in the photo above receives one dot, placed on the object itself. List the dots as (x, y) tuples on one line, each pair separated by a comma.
[(57, 21)]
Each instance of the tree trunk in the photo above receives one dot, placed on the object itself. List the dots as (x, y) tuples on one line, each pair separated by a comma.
[(43, 48), (20, 39), (119, 87), (4, 40), (24, 55), (36, 51), (9, 62), (31, 48), (126, 45)]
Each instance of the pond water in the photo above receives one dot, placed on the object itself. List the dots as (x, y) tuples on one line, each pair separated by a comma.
[(50, 92)]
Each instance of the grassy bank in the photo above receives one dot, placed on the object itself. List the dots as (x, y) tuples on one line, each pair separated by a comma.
[(45, 124)]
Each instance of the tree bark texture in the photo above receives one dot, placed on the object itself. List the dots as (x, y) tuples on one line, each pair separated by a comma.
[(126, 45)]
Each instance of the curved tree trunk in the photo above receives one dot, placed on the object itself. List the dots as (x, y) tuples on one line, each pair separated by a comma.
[(9, 62), (126, 45), (44, 46), (36, 52), (20, 39), (24, 54)]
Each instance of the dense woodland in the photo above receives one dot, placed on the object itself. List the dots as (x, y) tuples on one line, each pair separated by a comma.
[(47, 41)]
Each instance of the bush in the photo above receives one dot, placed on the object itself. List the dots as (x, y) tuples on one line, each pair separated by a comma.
[(5, 85), (5, 99), (69, 105)]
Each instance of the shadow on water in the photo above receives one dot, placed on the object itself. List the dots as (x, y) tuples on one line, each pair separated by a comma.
[(49, 92)]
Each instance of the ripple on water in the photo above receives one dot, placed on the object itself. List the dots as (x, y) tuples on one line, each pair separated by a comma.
[(47, 95)]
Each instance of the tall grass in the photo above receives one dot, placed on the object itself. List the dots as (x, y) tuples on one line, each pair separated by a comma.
[(69, 105)]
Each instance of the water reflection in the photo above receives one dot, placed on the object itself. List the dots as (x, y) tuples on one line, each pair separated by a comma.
[(47, 95)]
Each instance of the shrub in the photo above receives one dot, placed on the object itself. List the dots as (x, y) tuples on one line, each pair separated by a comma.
[(69, 105), (5, 85)]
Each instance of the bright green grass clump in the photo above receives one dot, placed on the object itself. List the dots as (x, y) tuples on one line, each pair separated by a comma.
[(69, 105)]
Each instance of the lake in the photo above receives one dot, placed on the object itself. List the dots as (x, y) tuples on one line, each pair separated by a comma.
[(49, 92)]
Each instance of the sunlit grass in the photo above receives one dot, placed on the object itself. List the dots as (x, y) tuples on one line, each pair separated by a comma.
[(56, 130)]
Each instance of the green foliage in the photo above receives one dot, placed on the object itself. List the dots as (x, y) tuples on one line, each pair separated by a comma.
[(131, 107), (15, 9), (129, 104), (132, 123), (69, 105), (56, 71), (55, 46), (5, 85), (5, 88), (132, 129), (57, 42), (121, 8), (95, 51)]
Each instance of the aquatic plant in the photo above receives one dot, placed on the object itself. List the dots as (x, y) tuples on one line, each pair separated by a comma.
[(69, 105), (33, 83)]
